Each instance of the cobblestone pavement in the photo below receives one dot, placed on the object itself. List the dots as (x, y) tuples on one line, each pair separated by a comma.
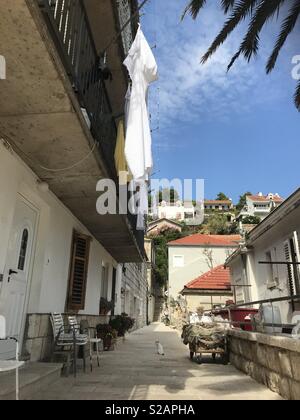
[(135, 372)]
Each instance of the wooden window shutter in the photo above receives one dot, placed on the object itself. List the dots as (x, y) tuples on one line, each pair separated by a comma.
[(78, 272), (288, 258)]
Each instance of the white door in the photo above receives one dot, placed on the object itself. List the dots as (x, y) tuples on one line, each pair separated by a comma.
[(16, 281)]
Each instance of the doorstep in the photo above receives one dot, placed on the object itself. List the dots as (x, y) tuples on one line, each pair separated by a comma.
[(34, 377)]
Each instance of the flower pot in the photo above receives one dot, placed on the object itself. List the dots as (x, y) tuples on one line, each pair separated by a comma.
[(103, 312), (109, 343)]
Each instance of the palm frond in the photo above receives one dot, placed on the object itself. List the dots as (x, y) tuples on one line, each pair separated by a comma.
[(193, 8), (240, 12), (227, 5), (260, 12), (250, 45), (297, 97), (287, 27)]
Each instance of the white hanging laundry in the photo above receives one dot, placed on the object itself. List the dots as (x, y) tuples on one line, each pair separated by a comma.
[(142, 69), (127, 106)]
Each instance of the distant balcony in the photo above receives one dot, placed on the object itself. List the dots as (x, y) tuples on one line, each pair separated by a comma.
[(262, 210)]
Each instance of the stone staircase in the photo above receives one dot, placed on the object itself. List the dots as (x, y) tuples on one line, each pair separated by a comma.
[(158, 311), (34, 377)]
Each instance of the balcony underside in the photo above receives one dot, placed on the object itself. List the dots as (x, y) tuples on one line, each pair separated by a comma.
[(41, 117)]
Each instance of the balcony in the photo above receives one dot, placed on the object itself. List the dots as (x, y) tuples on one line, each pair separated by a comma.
[(68, 23), (55, 105)]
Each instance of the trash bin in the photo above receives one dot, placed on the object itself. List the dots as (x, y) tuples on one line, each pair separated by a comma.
[(239, 315)]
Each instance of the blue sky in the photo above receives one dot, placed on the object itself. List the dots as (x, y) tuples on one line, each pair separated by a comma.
[(238, 130)]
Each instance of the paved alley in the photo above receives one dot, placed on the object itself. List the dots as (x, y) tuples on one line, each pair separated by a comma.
[(135, 372)]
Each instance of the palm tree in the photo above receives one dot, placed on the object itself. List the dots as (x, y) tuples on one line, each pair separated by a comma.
[(259, 12)]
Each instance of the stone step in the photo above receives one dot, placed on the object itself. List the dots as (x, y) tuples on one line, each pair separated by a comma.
[(34, 377)]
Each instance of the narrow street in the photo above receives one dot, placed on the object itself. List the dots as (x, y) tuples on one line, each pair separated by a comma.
[(135, 372)]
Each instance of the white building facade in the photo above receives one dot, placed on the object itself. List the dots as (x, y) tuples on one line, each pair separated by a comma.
[(178, 211), (195, 255), (275, 239), (37, 240), (260, 205), (57, 141)]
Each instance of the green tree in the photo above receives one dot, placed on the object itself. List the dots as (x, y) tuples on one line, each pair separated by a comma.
[(259, 13), (242, 202), (222, 197), (168, 194), (161, 255), (218, 224)]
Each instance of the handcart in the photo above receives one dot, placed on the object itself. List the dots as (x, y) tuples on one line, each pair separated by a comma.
[(221, 351), (206, 339)]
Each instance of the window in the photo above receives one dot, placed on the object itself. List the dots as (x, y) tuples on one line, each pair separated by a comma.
[(127, 302), (178, 261), (104, 282), (239, 292), (188, 215), (78, 272), (291, 251), (272, 279), (23, 250)]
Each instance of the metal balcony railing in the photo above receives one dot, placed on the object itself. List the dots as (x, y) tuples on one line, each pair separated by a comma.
[(289, 299), (69, 26)]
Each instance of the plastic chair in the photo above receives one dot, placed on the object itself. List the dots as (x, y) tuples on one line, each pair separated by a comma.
[(10, 365)]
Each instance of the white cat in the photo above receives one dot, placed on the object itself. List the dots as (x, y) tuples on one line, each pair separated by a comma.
[(159, 348)]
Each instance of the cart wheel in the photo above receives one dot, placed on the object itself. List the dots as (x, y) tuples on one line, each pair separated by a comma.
[(199, 360), (191, 355)]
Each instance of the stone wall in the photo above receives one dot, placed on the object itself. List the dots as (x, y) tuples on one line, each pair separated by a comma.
[(271, 360), (38, 336), (134, 300)]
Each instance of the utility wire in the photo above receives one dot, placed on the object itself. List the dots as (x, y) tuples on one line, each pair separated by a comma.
[(11, 143)]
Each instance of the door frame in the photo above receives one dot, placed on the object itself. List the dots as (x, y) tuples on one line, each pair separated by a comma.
[(21, 198)]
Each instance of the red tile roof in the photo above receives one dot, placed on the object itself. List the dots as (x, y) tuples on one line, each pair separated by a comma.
[(266, 198), (214, 240), (218, 202), (216, 279)]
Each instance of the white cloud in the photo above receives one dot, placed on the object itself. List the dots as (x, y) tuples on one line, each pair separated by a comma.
[(192, 92)]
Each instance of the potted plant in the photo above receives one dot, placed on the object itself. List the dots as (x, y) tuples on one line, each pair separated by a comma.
[(108, 335), (105, 306), (122, 324)]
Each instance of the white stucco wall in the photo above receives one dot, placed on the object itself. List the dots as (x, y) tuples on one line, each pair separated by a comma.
[(173, 212), (49, 282), (271, 241), (194, 302), (196, 263)]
